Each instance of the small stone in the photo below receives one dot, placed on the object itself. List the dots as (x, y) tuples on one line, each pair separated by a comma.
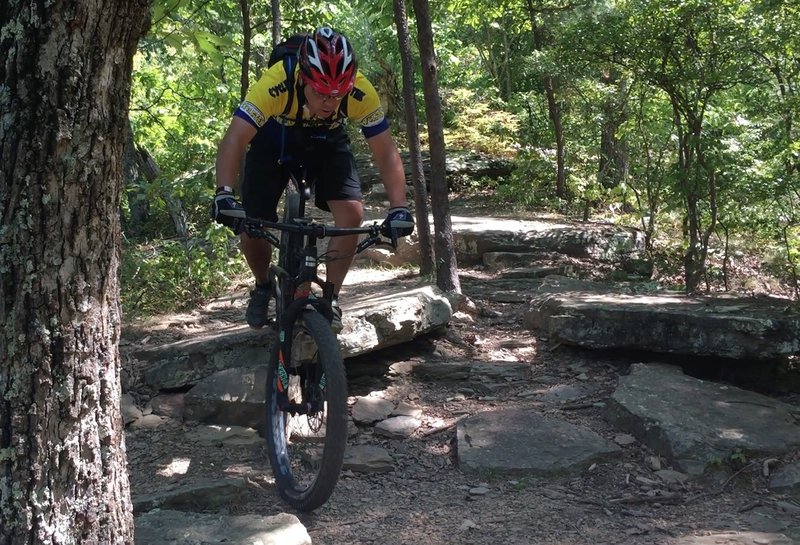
[(478, 491), (529, 393), (670, 476), (467, 525), (150, 421), (653, 462), (407, 409), (371, 409), (623, 439), (367, 459), (229, 436), (397, 427), (130, 412)]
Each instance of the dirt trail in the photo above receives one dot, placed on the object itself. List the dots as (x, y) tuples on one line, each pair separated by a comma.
[(428, 500)]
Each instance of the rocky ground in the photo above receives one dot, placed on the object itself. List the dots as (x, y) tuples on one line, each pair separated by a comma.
[(427, 499), (424, 497)]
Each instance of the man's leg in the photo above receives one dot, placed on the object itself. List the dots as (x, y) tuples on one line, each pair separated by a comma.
[(342, 249), (258, 253), (261, 190)]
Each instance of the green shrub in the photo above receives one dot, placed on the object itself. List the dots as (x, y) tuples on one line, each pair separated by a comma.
[(171, 275)]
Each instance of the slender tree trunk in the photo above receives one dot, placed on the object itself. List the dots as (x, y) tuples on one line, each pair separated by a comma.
[(276, 21), (64, 106), (553, 109), (698, 183), (444, 248), (613, 165), (412, 137), (137, 202), (247, 33)]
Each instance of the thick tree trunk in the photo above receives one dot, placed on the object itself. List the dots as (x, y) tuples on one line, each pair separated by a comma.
[(64, 105), (447, 266), (412, 137)]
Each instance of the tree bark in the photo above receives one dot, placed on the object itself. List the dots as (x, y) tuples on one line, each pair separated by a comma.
[(412, 137), (444, 248), (64, 104)]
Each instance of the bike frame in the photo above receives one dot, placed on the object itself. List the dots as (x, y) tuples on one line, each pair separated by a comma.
[(296, 292)]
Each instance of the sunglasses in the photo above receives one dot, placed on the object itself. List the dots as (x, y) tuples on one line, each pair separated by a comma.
[(325, 98)]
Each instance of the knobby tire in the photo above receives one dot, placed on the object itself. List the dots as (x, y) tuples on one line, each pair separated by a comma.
[(291, 242), (302, 488)]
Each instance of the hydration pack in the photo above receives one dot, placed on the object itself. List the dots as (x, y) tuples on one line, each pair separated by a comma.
[(288, 52)]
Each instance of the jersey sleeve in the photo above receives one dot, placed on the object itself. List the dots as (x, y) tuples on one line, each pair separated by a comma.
[(266, 98), (364, 107)]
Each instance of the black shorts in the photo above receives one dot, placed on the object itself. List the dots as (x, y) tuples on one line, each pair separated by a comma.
[(325, 153)]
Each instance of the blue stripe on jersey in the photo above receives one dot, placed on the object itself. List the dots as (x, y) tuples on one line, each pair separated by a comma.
[(375, 129), (243, 115)]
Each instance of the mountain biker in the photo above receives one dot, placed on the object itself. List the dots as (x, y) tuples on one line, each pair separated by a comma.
[(293, 119)]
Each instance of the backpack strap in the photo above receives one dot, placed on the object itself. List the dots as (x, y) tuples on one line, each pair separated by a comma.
[(288, 66), (289, 63)]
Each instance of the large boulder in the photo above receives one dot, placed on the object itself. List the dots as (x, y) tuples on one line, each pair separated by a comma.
[(596, 316), (694, 423)]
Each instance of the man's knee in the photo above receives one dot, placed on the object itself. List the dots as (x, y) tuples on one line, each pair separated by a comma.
[(347, 213)]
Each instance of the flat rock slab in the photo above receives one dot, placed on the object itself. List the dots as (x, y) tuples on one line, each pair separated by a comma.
[(475, 236), (737, 538), (371, 322), (164, 527), (600, 317), (694, 423), (481, 377), (201, 495), (185, 362), (525, 443)]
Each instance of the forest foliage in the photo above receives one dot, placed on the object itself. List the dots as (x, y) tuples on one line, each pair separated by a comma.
[(679, 117)]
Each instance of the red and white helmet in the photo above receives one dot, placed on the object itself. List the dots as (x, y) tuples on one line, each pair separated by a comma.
[(328, 62)]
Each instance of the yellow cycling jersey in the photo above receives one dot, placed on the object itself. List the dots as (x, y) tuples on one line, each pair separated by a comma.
[(269, 96)]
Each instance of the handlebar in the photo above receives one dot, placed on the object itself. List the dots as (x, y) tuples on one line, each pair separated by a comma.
[(258, 228)]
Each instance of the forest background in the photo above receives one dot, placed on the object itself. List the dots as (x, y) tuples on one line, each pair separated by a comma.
[(676, 117)]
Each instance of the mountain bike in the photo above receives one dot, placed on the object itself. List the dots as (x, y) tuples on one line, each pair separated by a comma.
[(306, 390)]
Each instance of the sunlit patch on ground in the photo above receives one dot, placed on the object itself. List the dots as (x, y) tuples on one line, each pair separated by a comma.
[(178, 466)]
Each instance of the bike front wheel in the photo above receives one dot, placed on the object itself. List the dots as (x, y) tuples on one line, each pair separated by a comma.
[(306, 409)]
